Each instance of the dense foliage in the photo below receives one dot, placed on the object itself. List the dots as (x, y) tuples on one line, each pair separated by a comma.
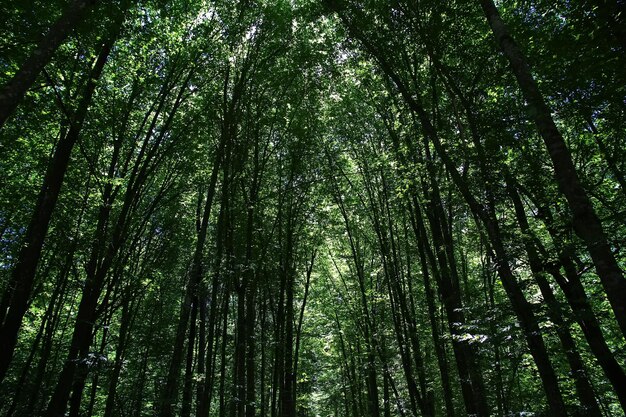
[(285, 208)]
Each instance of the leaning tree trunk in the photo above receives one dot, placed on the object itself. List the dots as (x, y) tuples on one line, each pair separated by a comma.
[(423, 246), (584, 389), (23, 275), (577, 298), (586, 223), (104, 252), (13, 92), (472, 385), (519, 303)]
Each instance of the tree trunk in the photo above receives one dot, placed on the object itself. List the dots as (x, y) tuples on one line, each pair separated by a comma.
[(119, 356), (421, 238), (584, 389), (472, 385), (169, 396), (15, 90), (23, 275), (188, 378), (520, 304), (580, 304), (586, 223)]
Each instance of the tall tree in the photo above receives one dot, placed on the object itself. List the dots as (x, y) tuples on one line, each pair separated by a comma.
[(14, 90)]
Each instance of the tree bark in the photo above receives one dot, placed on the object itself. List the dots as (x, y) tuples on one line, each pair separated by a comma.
[(23, 274), (586, 223), (15, 90), (584, 389), (442, 362), (580, 304)]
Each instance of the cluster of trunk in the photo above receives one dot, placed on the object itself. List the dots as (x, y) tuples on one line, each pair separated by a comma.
[(134, 322)]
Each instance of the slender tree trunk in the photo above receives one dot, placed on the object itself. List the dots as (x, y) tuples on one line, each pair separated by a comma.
[(15, 90), (41, 334), (263, 371), (46, 350), (205, 390), (50, 321), (414, 395), (119, 356), (81, 340), (188, 378), (169, 396), (222, 386), (348, 367), (584, 390), (279, 326), (170, 392), (386, 400), (298, 336), (520, 304), (397, 298), (611, 161), (472, 385), (140, 387), (214, 316), (586, 223), (501, 396), (96, 377), (249, 289), (371, 380), (23, 274), (201, 382), (580, 304), (420, 235), (103, 253), (251, 375), (238, 399), (287, 403)]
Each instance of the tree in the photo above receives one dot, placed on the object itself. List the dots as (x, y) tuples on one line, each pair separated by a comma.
[(297, 208)]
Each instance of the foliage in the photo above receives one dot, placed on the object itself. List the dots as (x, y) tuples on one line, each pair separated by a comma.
[(312, 208)]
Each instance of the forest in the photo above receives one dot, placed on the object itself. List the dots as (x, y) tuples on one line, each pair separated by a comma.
[(312, 208)]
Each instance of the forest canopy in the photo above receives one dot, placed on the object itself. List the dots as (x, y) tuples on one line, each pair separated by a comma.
[(312, 208)]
